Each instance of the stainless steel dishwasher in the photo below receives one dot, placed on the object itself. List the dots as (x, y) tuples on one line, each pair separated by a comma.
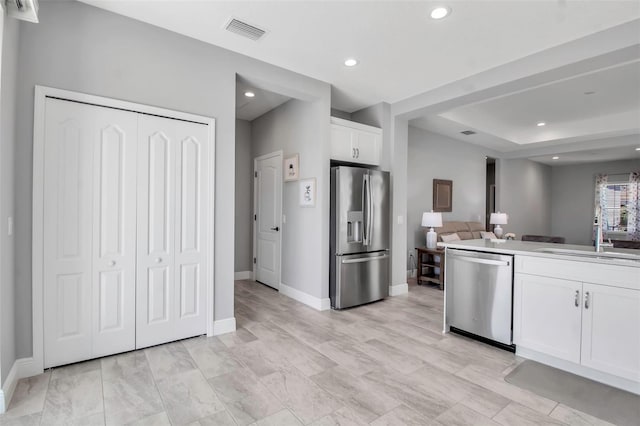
[(479, 294)]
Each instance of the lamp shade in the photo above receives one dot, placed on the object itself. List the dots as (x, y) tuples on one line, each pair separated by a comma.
[(432, 219), (498, 218)]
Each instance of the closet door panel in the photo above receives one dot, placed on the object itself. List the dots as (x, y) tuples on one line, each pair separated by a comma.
[(156, 230), (191, 198), (67, 233), (114, 229)]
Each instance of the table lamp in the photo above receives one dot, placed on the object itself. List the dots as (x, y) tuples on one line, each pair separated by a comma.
[(498, 219), (431, 219)]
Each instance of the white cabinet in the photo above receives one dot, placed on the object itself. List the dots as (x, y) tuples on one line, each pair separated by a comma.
[(594, 326), (547, 315), (611, 330), (355, 142), (125, 227)]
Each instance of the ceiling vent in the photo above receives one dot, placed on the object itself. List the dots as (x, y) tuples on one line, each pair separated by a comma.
[(468, 132), (245, 30), (26, 10)]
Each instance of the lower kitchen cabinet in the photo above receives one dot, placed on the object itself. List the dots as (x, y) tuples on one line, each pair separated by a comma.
[(611, 330), (592, 325), (548, 315)]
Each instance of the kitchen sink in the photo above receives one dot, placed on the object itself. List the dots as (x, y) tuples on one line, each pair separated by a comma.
[(583, 253)]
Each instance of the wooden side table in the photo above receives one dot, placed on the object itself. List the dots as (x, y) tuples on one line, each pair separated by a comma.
[(427, 262)]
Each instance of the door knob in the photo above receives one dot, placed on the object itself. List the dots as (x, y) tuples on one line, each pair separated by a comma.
[(112, 263), (277, 228), (158, 260)]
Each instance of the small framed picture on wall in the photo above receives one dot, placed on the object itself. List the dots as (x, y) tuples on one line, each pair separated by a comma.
[(291, 168), (308, 192)]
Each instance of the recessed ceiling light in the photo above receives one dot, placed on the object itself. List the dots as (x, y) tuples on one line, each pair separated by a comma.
[(350, 62), (590, 92), (250, 94), (555, 158), (440, 12), (637, 149), (540, 124)]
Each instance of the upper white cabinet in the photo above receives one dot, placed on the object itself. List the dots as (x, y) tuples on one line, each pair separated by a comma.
[(355, 142)]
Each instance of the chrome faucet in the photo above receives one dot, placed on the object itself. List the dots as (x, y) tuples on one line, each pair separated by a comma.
[(600, 244)]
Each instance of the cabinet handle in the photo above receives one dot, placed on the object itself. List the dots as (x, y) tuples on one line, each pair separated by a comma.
[(576, 301), (357, 152), (353, 153), (586, 300)]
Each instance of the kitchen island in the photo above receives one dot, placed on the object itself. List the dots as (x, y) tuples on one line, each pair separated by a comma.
[(573, 308)]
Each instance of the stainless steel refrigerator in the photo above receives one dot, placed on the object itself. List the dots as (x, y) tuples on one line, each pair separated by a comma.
[(360, 221)]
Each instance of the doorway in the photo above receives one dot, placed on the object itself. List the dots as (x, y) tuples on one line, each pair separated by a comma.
[(491, 191), (267, 225)]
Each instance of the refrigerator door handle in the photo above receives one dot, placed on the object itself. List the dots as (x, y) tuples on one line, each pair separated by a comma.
[(369, 211), (365, 207), (365, 259)]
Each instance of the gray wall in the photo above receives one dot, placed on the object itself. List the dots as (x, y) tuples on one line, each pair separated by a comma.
[(523, 192), (433, 156), (572, 197), (85, 49), (297, 127), (244, 199), (8, 68)]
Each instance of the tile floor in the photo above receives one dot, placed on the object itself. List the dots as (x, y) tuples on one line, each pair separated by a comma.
[(382, 364)]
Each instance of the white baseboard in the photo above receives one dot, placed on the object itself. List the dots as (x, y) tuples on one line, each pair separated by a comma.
[(398, 289), (307, 299), (23, 367), (227, 325), (243, 275)]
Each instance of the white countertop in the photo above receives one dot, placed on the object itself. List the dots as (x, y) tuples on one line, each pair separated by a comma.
[(571, 251)]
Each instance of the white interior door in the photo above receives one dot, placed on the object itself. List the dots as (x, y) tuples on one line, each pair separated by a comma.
[(268, 214), (172, 201), (89, 243)]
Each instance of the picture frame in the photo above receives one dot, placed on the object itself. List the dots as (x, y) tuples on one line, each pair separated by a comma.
[(307, 194), (291, 168), (442, 195)]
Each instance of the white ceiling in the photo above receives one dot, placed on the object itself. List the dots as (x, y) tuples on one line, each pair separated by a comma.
[(251, 108), (568, 112), (401, 51), (404, 54)]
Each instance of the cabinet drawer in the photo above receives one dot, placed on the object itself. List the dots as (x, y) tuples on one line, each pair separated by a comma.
[(597, 273)]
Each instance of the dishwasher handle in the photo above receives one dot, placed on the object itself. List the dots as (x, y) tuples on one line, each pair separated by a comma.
[(482, 261)]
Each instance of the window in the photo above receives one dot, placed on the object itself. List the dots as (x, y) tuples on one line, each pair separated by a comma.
[(615, 210)]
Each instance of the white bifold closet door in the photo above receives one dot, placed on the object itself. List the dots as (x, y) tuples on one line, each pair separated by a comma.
[(124, 231), (89, 231), (172, 229)]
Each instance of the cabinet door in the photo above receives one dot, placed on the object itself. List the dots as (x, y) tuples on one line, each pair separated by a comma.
[(367, 147), (114, 232), (67, 233), (611, 330), (89, 231), (172, 230), (547, 315), (342, 144)]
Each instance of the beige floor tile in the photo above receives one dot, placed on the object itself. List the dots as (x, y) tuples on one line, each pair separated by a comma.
[(281, 418), (169, 360), (75, 369), (131, 398), (517, 414), (29, 396), (345, 416), (460, 415), (301, 395), (403, 416), (188, 397), (160, 419), (221, 418), (74, 397), (27, 420), (245, 397)]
